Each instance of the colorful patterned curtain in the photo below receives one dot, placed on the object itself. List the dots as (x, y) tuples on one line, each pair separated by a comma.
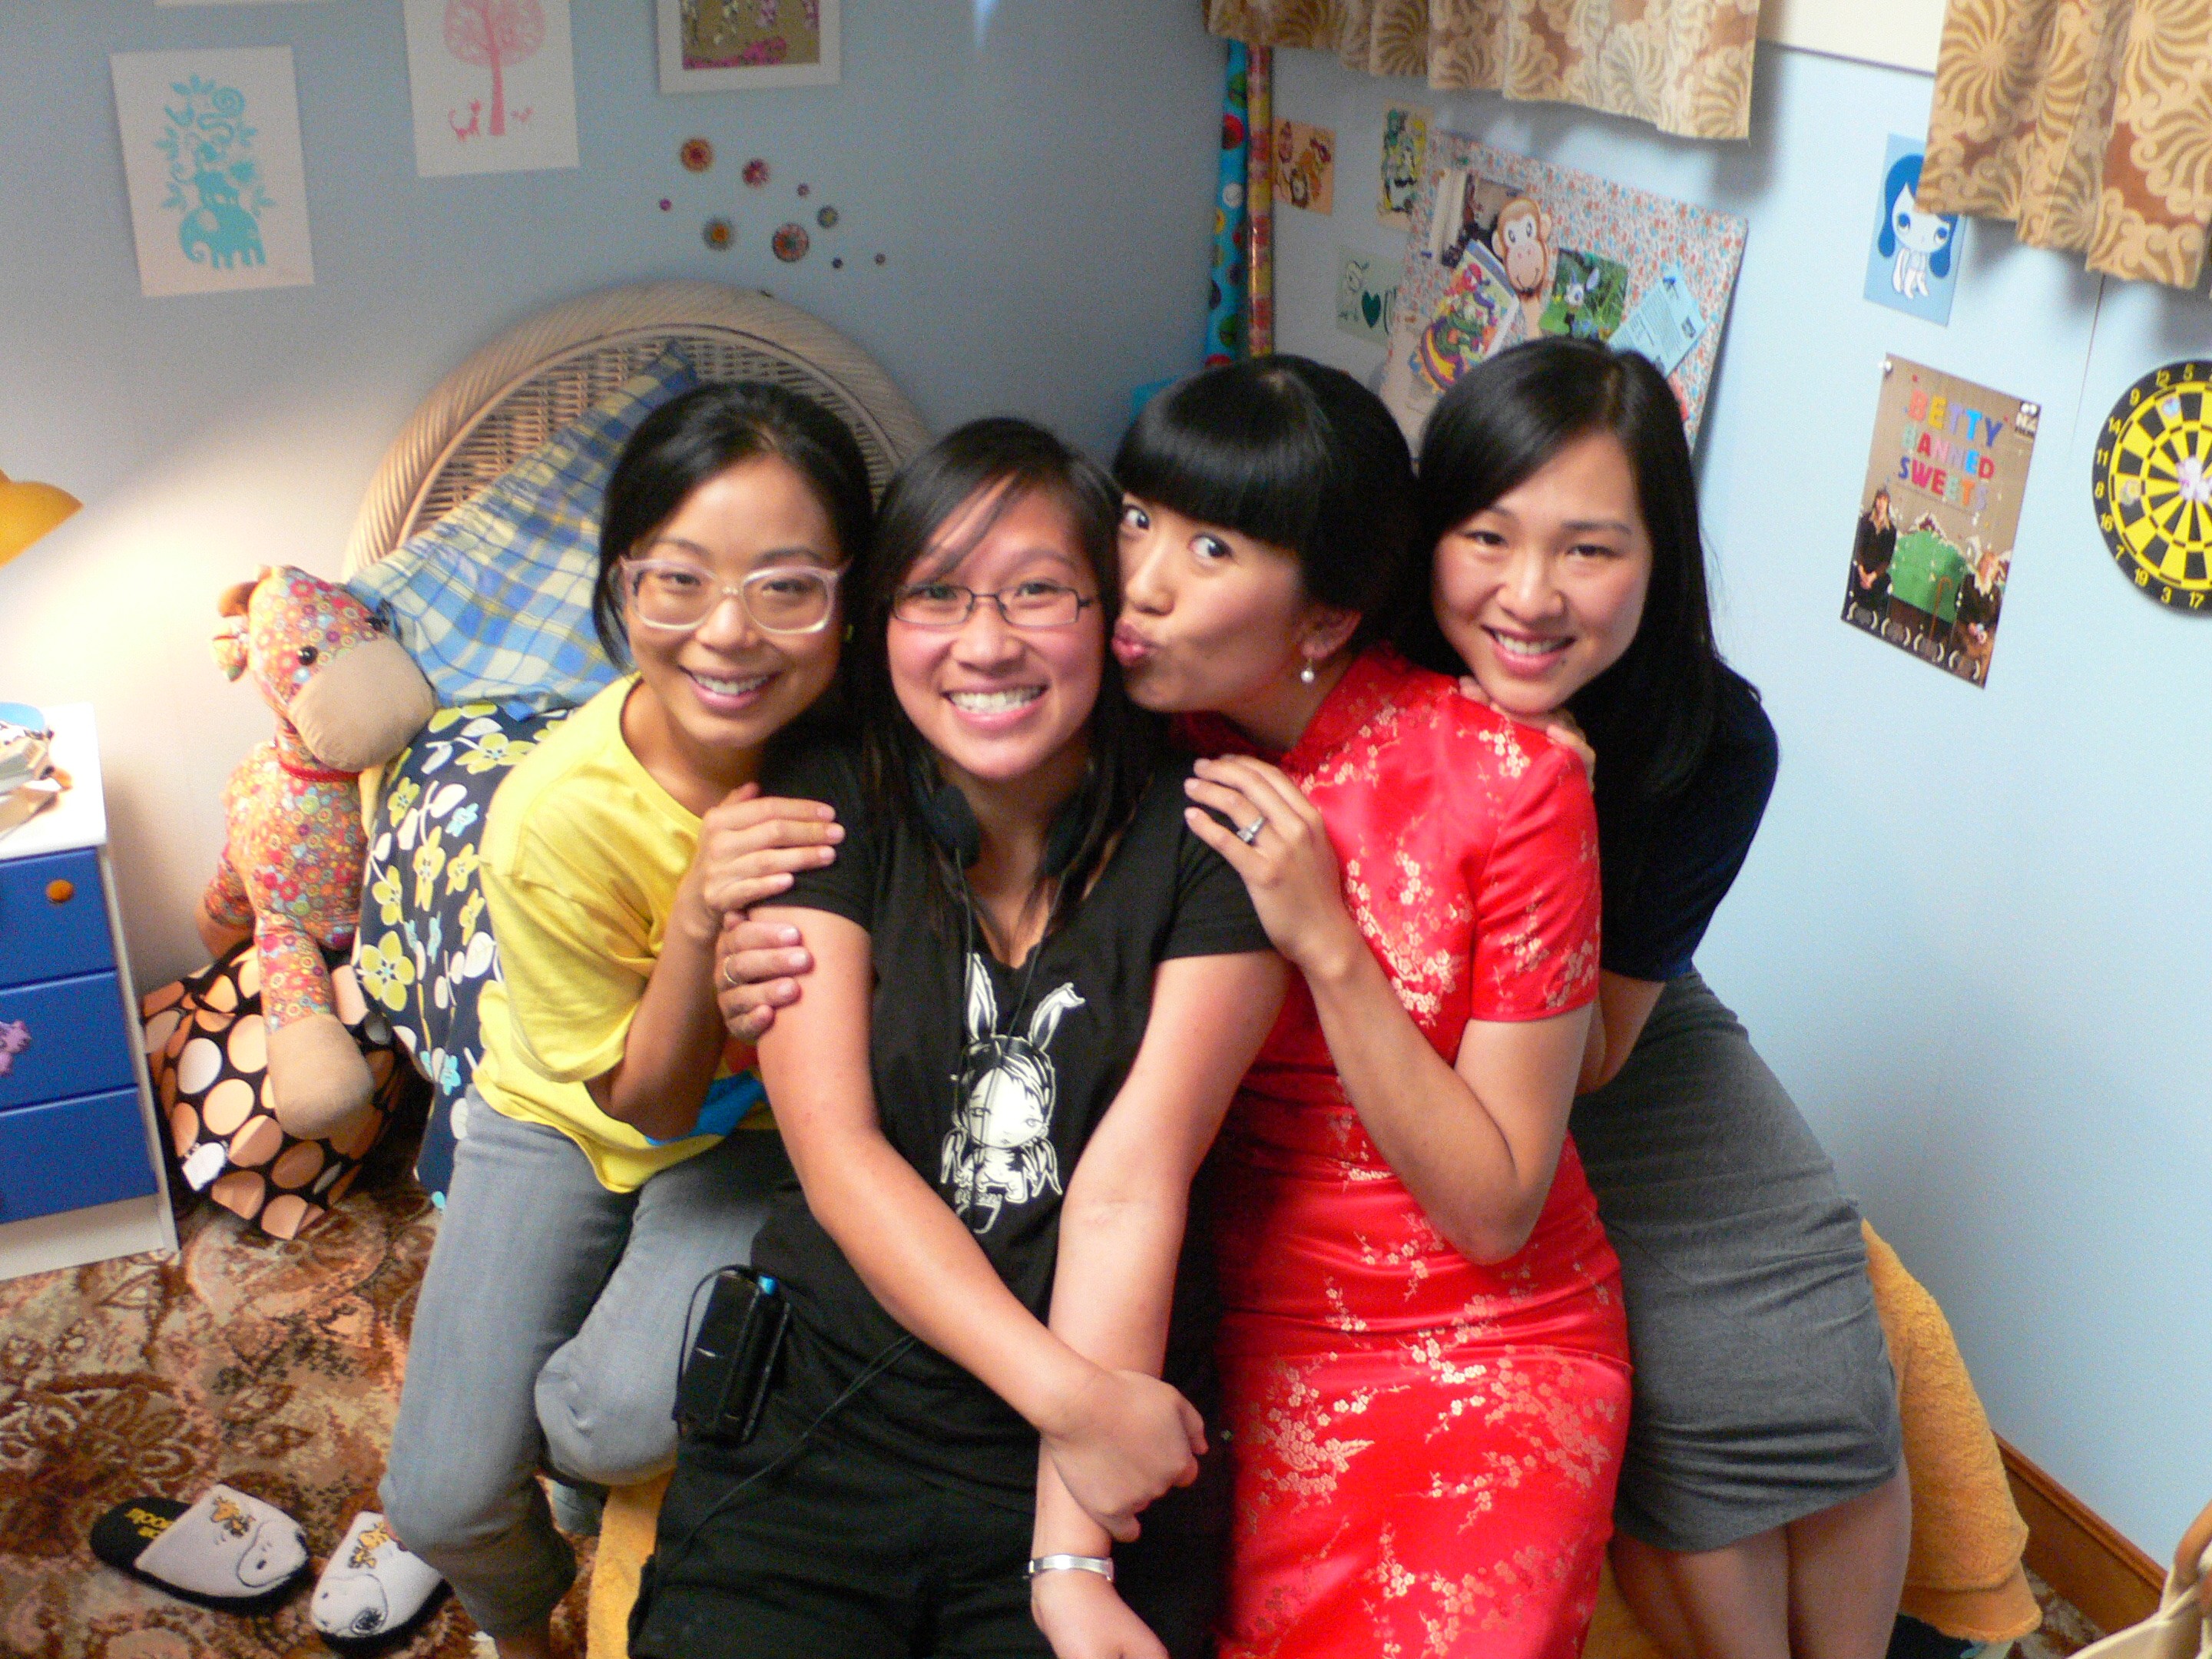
[(1683, 65), (2088, 122)]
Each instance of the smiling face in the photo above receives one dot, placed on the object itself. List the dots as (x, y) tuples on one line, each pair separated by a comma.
[(1212, 619), (708, 700), (1542, 591), (998, 704)]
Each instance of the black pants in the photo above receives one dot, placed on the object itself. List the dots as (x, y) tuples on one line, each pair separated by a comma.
[(845, 1554)]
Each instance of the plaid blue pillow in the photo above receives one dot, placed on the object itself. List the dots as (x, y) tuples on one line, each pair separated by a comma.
[(494, 601)]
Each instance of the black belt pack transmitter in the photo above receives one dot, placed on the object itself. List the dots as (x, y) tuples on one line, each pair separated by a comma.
[(726, 1376)]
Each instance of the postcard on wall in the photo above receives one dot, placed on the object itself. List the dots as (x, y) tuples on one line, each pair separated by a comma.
[(1305, 166), (1504, 249), (1933, 550), (1405, 158), (1366, 286), (731, 45), (1912, 258), (494, 86), (211, 154)]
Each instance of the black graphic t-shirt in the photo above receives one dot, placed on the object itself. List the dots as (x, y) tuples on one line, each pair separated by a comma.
[(989, 1079)]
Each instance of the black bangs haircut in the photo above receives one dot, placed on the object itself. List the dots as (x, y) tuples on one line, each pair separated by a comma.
[(1294, 453), (1650, 715), (706, 431), (1009, 460)]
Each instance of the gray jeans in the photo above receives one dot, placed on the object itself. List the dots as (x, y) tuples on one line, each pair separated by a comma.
[(549, 1330)]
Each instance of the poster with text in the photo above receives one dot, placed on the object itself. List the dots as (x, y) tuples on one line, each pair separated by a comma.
[(494, 86), (211, 157), (1932, 551), (1503, 249)]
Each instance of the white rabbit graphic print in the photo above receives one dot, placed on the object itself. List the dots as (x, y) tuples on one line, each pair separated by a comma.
[(998, 1151)]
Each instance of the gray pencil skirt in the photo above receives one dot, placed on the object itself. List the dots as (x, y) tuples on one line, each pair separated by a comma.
[(1763, 1391)]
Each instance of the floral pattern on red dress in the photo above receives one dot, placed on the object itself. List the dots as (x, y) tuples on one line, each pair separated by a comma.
[(1425, 1448)]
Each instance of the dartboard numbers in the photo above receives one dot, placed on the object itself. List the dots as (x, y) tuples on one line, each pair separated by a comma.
[(2151, 482)]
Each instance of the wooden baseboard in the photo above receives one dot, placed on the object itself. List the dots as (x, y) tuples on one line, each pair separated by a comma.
[(2076, 1550)]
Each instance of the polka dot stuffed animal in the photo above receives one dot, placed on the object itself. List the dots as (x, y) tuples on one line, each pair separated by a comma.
[(347, 695)]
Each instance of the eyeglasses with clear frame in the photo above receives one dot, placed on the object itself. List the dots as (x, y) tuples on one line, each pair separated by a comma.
[(671, 595), (1025, 605)]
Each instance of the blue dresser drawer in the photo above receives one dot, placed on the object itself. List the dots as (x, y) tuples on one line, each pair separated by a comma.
[(68, 1037), (68, 1154), (44, 935)]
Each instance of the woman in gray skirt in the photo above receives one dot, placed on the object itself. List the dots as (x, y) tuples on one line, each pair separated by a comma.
[(1763, 1508)]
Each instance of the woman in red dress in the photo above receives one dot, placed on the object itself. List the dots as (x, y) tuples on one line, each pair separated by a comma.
[(1424, 1353)]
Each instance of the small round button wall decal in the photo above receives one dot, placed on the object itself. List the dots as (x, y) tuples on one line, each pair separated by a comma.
[(755, 174), (826, 218), (2152, 481), (718, 233), (790, 243), (697, 156)]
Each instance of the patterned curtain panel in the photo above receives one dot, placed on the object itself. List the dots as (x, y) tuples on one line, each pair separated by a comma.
[(2088, 122), (1683, 65)]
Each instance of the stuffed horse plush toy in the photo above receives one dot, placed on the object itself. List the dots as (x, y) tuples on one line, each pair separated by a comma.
[(347, 696)]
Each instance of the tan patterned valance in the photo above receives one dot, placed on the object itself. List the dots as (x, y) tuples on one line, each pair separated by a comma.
[(1683, 65), (2088, 122)]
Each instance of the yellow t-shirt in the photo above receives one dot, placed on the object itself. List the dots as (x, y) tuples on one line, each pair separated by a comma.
[(581, 856)]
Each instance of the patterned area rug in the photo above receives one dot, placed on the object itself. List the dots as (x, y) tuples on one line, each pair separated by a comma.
[(273, 1366)]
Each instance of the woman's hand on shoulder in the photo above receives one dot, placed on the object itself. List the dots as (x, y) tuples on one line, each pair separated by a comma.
[(1281, 848), (1559, 725), (750, 844), (1120, 1441), (1084, 1617), (755, 965)]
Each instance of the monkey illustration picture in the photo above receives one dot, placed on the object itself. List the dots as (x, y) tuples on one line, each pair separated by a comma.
[(999, 1153)]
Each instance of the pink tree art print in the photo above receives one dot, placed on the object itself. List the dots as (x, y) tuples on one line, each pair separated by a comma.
[(492, 35)]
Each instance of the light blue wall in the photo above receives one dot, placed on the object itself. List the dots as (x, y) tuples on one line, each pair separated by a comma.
[(1975, 936), (1041, 189)]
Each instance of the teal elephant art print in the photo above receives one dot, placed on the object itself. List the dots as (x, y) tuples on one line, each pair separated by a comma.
[(214, 180)]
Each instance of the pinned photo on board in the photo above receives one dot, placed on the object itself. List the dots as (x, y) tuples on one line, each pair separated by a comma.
[(1589, 296), (1932, 551), (1912, 263)]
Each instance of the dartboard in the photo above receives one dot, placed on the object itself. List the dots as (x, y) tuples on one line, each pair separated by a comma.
[(2152, 482)]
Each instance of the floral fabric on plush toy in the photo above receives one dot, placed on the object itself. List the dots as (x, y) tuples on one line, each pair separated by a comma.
[(346, 696)]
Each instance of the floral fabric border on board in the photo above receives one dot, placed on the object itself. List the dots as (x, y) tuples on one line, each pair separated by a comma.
[(2088, 122), (1683, 65)]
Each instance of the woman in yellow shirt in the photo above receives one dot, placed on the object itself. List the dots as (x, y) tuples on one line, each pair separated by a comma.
[(552, 1318)]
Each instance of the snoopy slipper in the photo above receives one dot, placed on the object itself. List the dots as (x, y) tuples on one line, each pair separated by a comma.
[(227, 1551), (372, 1591)]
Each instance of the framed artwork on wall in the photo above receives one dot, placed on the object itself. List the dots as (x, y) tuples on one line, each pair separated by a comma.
[(733, 46)]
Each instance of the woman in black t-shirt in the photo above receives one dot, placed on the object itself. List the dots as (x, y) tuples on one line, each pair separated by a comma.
[(1762, 1508), (1034, 992)]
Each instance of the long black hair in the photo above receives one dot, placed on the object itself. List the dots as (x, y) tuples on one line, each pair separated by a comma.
[(1018, 460), (691, 438), (1291, 453), (1649, 716)]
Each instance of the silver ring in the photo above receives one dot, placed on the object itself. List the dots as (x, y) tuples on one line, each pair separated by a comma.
[(1251, 832), (723, 974)]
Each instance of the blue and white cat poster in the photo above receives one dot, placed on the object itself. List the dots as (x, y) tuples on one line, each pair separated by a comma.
[(212, 154), (1912, 264)]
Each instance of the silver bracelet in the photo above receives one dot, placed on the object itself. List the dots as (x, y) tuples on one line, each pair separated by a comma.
[(1101, 1564)]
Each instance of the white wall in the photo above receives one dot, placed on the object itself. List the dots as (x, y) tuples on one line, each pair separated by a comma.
[(1975, 935), (1042, 190)]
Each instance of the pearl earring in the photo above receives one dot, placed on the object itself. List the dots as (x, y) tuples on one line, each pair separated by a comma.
[(1306, 674)]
